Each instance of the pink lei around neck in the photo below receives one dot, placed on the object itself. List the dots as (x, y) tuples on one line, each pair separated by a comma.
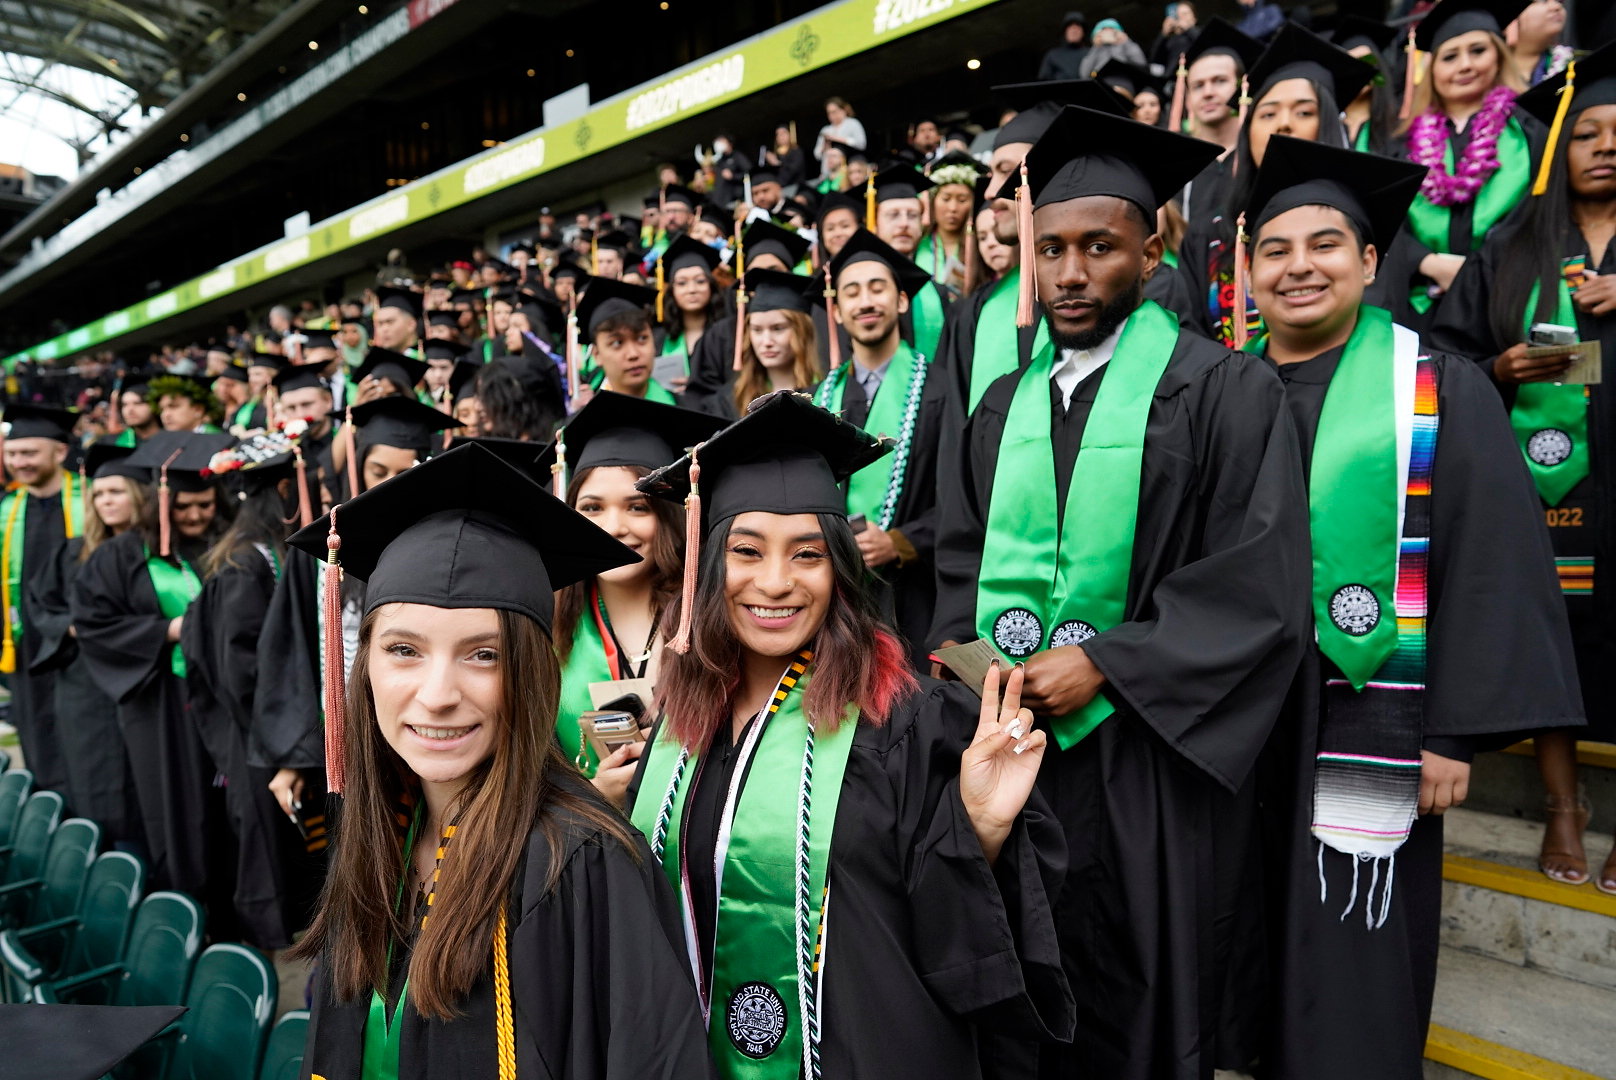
[(1428, 140)]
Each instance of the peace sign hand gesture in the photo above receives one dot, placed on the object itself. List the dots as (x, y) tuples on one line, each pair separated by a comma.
[(998, 769)]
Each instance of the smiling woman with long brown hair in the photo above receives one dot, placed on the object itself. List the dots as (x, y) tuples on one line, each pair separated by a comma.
[(486, 913), (800, 767)]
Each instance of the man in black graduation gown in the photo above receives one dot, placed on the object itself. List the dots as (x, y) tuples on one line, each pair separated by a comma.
[(886, 387), (35, 520), (1452, 639), (1155, 599)]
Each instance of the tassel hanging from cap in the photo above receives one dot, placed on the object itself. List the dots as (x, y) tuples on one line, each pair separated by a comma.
[(687, 598), (572, 355), (1541, 184), (1175, 117), (869, 203), (305, 512), (164, 526), (740, 253), (1411, 75), (1245, 107), (350, 440), (558, 470), (661, 289), (832, 330), (1238, 316), (67, 500), (594, 253), (970, 255), (740, 323), (335, 681), (1028, 293)]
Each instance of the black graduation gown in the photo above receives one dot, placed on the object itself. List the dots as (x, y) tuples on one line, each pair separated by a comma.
[(926, 943), (33, 694), (1157, 804), (599, 983), (712, 371), (1464, 325), (99, 783), (220, 643), (1350, 1002), (122, 635)]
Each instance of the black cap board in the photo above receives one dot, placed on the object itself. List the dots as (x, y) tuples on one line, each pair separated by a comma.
[(896, 181), (605, 298), (766, 238), (24, 421), (785, 456), (1373, 191), (394, 296), (1038, 103), (1219, 38), (865, 246), (686, 252), (504, 268), (77, 1042), (835, 200), (524, 245), (443, 317), (105, 458), (956, 167), (763, 174), (1119, 74), (1355, 30), (1451, 18), (1595, 84), (464, 378), (616, 240), (849, 151), (398, 421), (466, 530), (519, 454), (1301, 54), (262, 460), (403, 371), (465, 296), (568, 268), (678, 193), (234, 372), (616, 429), (300, 376), (772, 290), (267, 360), (438, 349), (186, 453), (318, 338), (1085, 152)]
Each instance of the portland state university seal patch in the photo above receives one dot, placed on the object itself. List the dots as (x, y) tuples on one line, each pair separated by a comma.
[(1071, 632), (1355, 610), (1017, 632), (1548, 447), (756, 1019)]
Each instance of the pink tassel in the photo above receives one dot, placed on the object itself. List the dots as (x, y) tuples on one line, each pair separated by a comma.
[(687, 601), (1239, 313), (1411, 58), (335, 677), (970, 256), (164, 528), (1175, 117), (740, 323), (350, 451), (558, 471), (1029, 281), (830, 324), (304, 511)]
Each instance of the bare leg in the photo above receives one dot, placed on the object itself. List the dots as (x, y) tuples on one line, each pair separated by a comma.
[(1563, 857)]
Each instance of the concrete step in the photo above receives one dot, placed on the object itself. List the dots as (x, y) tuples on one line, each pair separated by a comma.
[(1502, 1021), (1507, 783)]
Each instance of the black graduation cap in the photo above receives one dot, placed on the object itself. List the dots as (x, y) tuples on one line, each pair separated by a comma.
[(686, 252), (764, 174), (653, 199), (235, 372), (106, 458), (503, 292), (616, 240), (721, 216), (300, 377), (399, 421), (443, 317), (530, 458), (616, 429), (568, 267), (463, 378), (952, 160), (438, 349), (1595, 84), (1038, 103), (1450, 18), (1373, 191), (849, 151), (1119, 74), (466, 530), (605, 298), (268, 360), (465, 296), (865, 246), (1219, 38), (186, 453), (546, 308), (785, 456), (261, 460), (835, 200), (403, 371), (771, 290), (1355, 30), (24, 421), (680, 194), (395, 296), (899, 181), (1085, 152), (77, 1042), (525, 245), (766, 238), (505, 269), (318, 338), (1296, 53)]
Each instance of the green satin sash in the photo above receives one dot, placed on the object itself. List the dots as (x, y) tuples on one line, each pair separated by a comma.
[(997, 350), (1049, 581), (176, 587), (874, 490), (586, 664), (1550, 420)]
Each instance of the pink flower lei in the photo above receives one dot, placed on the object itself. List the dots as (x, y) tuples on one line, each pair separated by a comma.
[(1428, 141)]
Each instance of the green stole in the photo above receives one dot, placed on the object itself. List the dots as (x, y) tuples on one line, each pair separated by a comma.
[(586, 664), (176, 587), (766, 938), (1170, 258), (127, 437), (1047, 582), (1355, 493), (997, 349), (675, 346), (1550, 420), (1360, 142), (382, 1029), (14, 519), (874, 490), (210, 429), (243, 415), (1501, 193)]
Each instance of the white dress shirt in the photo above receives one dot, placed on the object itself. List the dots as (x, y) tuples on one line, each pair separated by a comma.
[(1075, 365)]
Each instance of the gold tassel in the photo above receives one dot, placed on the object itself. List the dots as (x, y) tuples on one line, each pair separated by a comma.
[(67, 501), (869, 203), (1542, 183), (8, 649), (661, 287), (740, 323), (504, 1016), (1411, 64), (1239, 315), (163, 526)]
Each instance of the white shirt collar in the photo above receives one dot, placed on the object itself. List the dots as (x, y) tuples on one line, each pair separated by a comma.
[(1075, 365)]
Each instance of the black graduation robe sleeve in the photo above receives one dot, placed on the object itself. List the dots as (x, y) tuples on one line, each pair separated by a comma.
[(221, 647), (122, 632), (1168, 288), (712, 370), (49, 614), (287, 732)]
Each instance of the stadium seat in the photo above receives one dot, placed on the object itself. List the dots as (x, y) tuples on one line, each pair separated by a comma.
[(15, 784), (94, 937), (22, 858), (56, 892), (283, 1057), (228, 1011)]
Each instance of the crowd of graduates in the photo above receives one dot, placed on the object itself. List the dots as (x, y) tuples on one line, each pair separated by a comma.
[(1135, 522)]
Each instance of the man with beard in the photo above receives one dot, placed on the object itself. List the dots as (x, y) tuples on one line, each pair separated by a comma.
[(897, 221), (396, 322), (139, 417), (1157, 600)]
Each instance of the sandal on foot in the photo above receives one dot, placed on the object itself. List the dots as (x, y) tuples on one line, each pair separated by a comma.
[(1574, 868), (1606, 882)]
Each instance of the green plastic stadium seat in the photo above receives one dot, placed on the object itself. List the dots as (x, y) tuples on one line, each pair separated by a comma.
[(228, 1011), (56, 892), (5, 760), (283, 1057), (22, 857), (94, 937), (15, 784)]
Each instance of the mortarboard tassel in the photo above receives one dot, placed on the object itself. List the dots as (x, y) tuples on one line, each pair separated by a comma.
[(687, 600), (572, 354), (1541, 184), (970, 255), (1245, 102), (1176, 116), (304, 512), (558, 471), (67, 500), (661, 288), (1411, 64), (869, 203), (164, 527), (594, 253), (831, 329), (1028, 292), (1239, 313), (740, 253), (740, 323), (335, 677), (350, 451)]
